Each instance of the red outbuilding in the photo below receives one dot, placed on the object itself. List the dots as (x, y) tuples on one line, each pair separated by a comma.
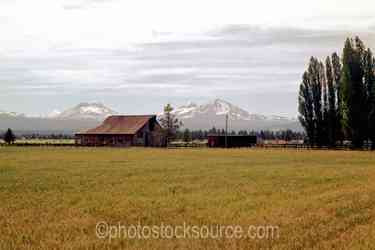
[(124, 130)]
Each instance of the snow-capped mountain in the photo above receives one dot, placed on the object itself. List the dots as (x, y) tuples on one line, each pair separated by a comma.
[(212, 114), (219, 107), (85, 110), (10, 114), (79, 118), (193, 116), (54, 114)]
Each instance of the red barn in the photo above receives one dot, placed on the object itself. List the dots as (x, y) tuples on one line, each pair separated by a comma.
[(124, 130)]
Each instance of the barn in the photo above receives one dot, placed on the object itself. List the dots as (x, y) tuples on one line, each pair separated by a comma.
[(231, 141), (124, 131)]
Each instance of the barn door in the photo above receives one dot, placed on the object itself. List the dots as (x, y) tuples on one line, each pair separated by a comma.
[(146, 139)]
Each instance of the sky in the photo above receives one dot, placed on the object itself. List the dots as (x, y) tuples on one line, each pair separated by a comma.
[(135, 56)]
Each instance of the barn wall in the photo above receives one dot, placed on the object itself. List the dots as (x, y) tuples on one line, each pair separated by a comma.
[(148, 137), (157, 137), (104, 140), (140, 137)]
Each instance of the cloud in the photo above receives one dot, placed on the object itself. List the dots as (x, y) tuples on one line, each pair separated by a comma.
[(233, 62), (73, 7), (83, 4)]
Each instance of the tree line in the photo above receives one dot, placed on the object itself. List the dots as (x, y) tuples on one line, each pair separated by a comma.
[(171, 127), (337, 97), (9, 136), (191, 135)]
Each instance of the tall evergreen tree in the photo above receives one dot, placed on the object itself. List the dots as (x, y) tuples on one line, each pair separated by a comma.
[(317, 80), (337, 100), (187, 135), (332, 109), (9, 137), (325, 105), (369, 78), (352, 92), (317, 103), (170, 123), (365, 77), (306, 108), (337, 68)]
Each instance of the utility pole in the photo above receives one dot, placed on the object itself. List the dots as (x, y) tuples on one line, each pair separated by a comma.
[(226, 130)]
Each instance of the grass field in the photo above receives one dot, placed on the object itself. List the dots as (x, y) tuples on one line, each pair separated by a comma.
[(53, 198)]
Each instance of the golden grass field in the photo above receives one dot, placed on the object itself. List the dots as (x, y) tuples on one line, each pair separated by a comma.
[(52, 198)]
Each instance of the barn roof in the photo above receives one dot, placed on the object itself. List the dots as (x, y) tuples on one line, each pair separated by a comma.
[(121, 124)]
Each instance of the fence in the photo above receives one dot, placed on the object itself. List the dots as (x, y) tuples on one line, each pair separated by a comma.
[(42, 144), (200, 145), (188, 145), (306, 146)]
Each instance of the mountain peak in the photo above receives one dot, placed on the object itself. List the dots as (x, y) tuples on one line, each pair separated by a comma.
[(222, 107), (10, 114), (213, 113), (98, 104), (219, 107), (54, 114), (190, 104), (218, 100), (87, 110)]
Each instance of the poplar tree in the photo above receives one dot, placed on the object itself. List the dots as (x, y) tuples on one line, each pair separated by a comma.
[(332, 108), (337, 100), (306, 108), (369, 78), (352, 92), (316, 80), (336, 67)]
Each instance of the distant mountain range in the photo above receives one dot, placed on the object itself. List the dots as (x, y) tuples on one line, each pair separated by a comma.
[(79, 118), (219, 107), (193, 116), (10, 114), (84, 111), (213, 113)]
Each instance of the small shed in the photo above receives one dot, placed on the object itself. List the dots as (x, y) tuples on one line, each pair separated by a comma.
[(233, 141), (123, 131)]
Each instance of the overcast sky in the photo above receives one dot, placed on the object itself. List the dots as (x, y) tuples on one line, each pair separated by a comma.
[(135, 56)]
